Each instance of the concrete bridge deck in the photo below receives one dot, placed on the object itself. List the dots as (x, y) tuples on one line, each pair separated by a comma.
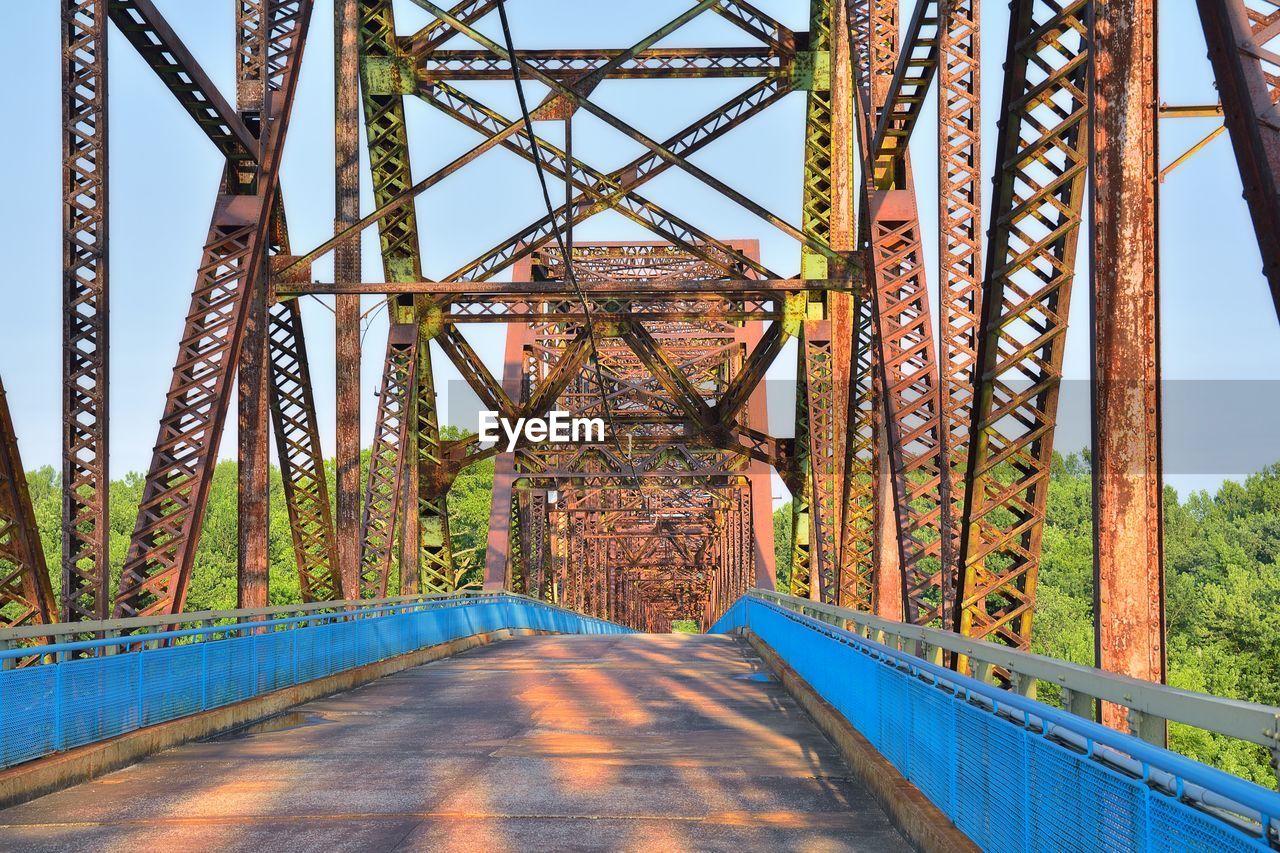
[(662, 742)]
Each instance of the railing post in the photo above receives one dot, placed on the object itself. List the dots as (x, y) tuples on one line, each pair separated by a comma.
[(58, 727), (1078, 703), (141, 690), (204, 674), (1149, 727)]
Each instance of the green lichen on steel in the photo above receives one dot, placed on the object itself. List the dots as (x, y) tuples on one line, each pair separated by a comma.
[(813, 266), (388, 75), (811, 71)]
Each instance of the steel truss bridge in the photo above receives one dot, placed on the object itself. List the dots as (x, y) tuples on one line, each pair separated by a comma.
[(924, 414)]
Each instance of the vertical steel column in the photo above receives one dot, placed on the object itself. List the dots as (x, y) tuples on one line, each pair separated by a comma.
[(1128, 521), (826, 214), (253, 445), (86, 527), (516, 386), (410, 530), (386, 75), (906, 363), (346, 268), (759, 475), (959, 228)]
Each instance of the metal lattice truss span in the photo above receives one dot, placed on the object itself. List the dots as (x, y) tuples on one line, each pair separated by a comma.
[(659, 519), (926, 397)]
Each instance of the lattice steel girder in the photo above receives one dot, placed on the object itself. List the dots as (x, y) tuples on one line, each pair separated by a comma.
[(1041, 160), (26, 594), (435, 545), (858, 551), (1247, 72), (558, 290), (157, 568), (86, 521), (384, 486), (253, 445), (613, 191), (825, 458), (147, 30), (913, 73), (907, 368), (959, 229), (569, 65), (632, 133), (710, 127), (388, 149), (306, 489)]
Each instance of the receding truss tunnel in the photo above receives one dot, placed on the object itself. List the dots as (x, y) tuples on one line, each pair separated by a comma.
[(885, 697)]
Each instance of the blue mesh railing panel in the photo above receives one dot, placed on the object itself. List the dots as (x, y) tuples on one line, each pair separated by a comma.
[(168, 690), (999, 777), (57, 706), (98, 698), (30, 706)]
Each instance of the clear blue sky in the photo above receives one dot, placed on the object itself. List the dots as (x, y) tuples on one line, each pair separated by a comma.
[(1217, 319)]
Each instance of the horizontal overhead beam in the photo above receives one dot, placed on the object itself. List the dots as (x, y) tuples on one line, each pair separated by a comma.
[(559, 289), (568, 65)]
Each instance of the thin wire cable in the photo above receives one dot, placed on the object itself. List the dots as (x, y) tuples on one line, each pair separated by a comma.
[(556, 230)]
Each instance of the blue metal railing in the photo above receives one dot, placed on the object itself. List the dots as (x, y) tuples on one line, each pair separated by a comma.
[(143, 679), (1012, 773)]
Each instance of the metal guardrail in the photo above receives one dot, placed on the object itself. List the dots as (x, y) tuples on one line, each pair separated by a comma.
[(117, 627), (1011, 772), (69, 698), (1149, 704)]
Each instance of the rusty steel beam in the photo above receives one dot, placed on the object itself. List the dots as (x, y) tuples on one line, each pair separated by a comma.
[(384, 486), (959, 229), (905, 362), (158, 565), (302, 469), (1041, 158), (86, 520), (26, 593), (556, 289), (1247, 72), (253, 446), (432, 477), (569, 65), (1128, 555), (346, 269), (582, 102), (160, 47)]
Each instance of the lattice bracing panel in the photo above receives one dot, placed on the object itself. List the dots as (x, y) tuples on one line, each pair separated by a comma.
[(86, 523), (1036, 213)]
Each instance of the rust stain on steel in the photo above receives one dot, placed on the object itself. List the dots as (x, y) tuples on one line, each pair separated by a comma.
[(346, 266), (1128, 555), (86, 522)]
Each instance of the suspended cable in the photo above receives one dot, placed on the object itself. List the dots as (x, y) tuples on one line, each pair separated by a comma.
[(565, 251)]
